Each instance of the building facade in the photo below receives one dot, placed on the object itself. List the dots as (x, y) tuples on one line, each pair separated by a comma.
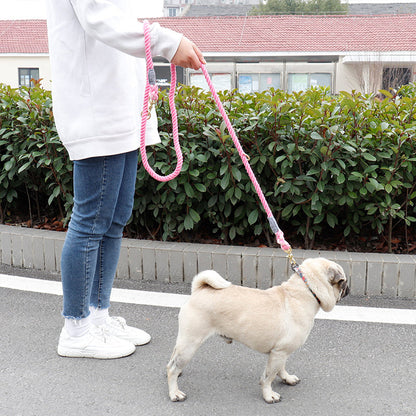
[(173, 8), (253, 53)]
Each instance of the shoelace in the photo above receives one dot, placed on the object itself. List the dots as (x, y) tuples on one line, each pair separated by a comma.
[(119, 321), (100, 332), (104, 332)]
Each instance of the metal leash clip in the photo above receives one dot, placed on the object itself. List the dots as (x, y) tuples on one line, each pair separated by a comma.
[(293, 263), (153, 91), (152, 103)]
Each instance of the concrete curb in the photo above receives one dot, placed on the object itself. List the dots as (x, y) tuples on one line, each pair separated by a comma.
[(370, 274)]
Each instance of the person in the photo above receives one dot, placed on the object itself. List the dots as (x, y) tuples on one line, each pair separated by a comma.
[(98, 80)]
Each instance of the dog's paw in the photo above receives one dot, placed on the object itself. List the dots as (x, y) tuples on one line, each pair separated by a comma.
[(271, 398), (177, 396), (292, 380)]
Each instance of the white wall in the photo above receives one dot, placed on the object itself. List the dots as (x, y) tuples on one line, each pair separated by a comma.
[(9, 69), (351, 77)]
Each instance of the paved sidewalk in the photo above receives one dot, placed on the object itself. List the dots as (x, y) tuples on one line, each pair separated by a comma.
[(346, 368), (386, 275)]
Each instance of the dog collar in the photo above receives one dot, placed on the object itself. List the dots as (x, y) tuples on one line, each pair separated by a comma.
[(297, 270)]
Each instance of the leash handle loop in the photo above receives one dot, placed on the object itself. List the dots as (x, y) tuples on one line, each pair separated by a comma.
[(151, 94)]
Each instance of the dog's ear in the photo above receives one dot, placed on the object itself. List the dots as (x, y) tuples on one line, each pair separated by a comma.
[(336, 274)]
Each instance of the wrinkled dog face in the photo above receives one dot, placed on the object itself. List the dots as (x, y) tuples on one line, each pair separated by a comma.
[(331, 275)]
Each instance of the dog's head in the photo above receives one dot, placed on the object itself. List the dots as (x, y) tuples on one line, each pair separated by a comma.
[(327, 279), (338, 280)]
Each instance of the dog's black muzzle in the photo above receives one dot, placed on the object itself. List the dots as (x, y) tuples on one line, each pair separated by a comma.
[(345, 290)]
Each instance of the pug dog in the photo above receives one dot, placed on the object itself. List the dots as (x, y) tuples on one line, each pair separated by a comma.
[(276, 321)]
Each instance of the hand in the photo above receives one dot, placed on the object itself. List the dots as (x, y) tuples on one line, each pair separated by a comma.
[(188, 55)]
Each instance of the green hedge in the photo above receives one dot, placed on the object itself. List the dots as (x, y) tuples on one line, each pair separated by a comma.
[(35, 170), (324, 162)]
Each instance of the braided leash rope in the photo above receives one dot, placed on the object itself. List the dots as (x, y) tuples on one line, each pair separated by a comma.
[(151, 95), (272, 221)]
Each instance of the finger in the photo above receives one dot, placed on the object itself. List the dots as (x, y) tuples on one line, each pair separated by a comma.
[(194, 61), (199, 54)]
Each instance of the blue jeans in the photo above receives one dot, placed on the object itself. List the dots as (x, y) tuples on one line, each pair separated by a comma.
[(103, 202)]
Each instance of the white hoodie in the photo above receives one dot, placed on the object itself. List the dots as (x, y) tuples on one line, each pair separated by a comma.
[(97, 81)]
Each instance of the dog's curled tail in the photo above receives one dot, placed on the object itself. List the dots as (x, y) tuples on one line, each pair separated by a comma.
[(209, 278)]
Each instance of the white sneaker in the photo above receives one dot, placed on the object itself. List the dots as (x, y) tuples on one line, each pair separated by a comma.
[(117, 327), (96, 343)]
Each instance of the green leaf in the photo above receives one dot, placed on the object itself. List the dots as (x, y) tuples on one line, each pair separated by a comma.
[(54, 194), (180, 199), (314, 171), (188, 190), (200, 187), (194, 215), (316, 136), (24, 167), (188, 222), (173, 184), (331, 219), (229, 194), (340, 178), (202, 158), (388, 94), (225, 181), (287, 211), (369, 157), (236, 173), (252, 218), (9, 164), (212, 201), (384, 126)]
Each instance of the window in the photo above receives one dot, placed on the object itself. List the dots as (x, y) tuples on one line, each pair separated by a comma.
[(257, 82), (26, 75), (320, 80), (297, 82), (172, 11), (301, 82), (220, 81)]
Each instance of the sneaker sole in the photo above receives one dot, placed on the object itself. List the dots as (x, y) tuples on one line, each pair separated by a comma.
[(72, 353), (136, 342)]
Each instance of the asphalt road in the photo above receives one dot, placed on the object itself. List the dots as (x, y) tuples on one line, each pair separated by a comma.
[(346, 368)]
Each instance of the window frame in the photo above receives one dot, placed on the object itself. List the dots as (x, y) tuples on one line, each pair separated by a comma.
[(258, 80), (30, 74), (308, 74)]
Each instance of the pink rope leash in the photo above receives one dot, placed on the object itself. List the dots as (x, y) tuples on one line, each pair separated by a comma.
[(272, 221), (151, 92)]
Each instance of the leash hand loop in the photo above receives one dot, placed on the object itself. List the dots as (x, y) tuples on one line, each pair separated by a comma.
[(150, 99)]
